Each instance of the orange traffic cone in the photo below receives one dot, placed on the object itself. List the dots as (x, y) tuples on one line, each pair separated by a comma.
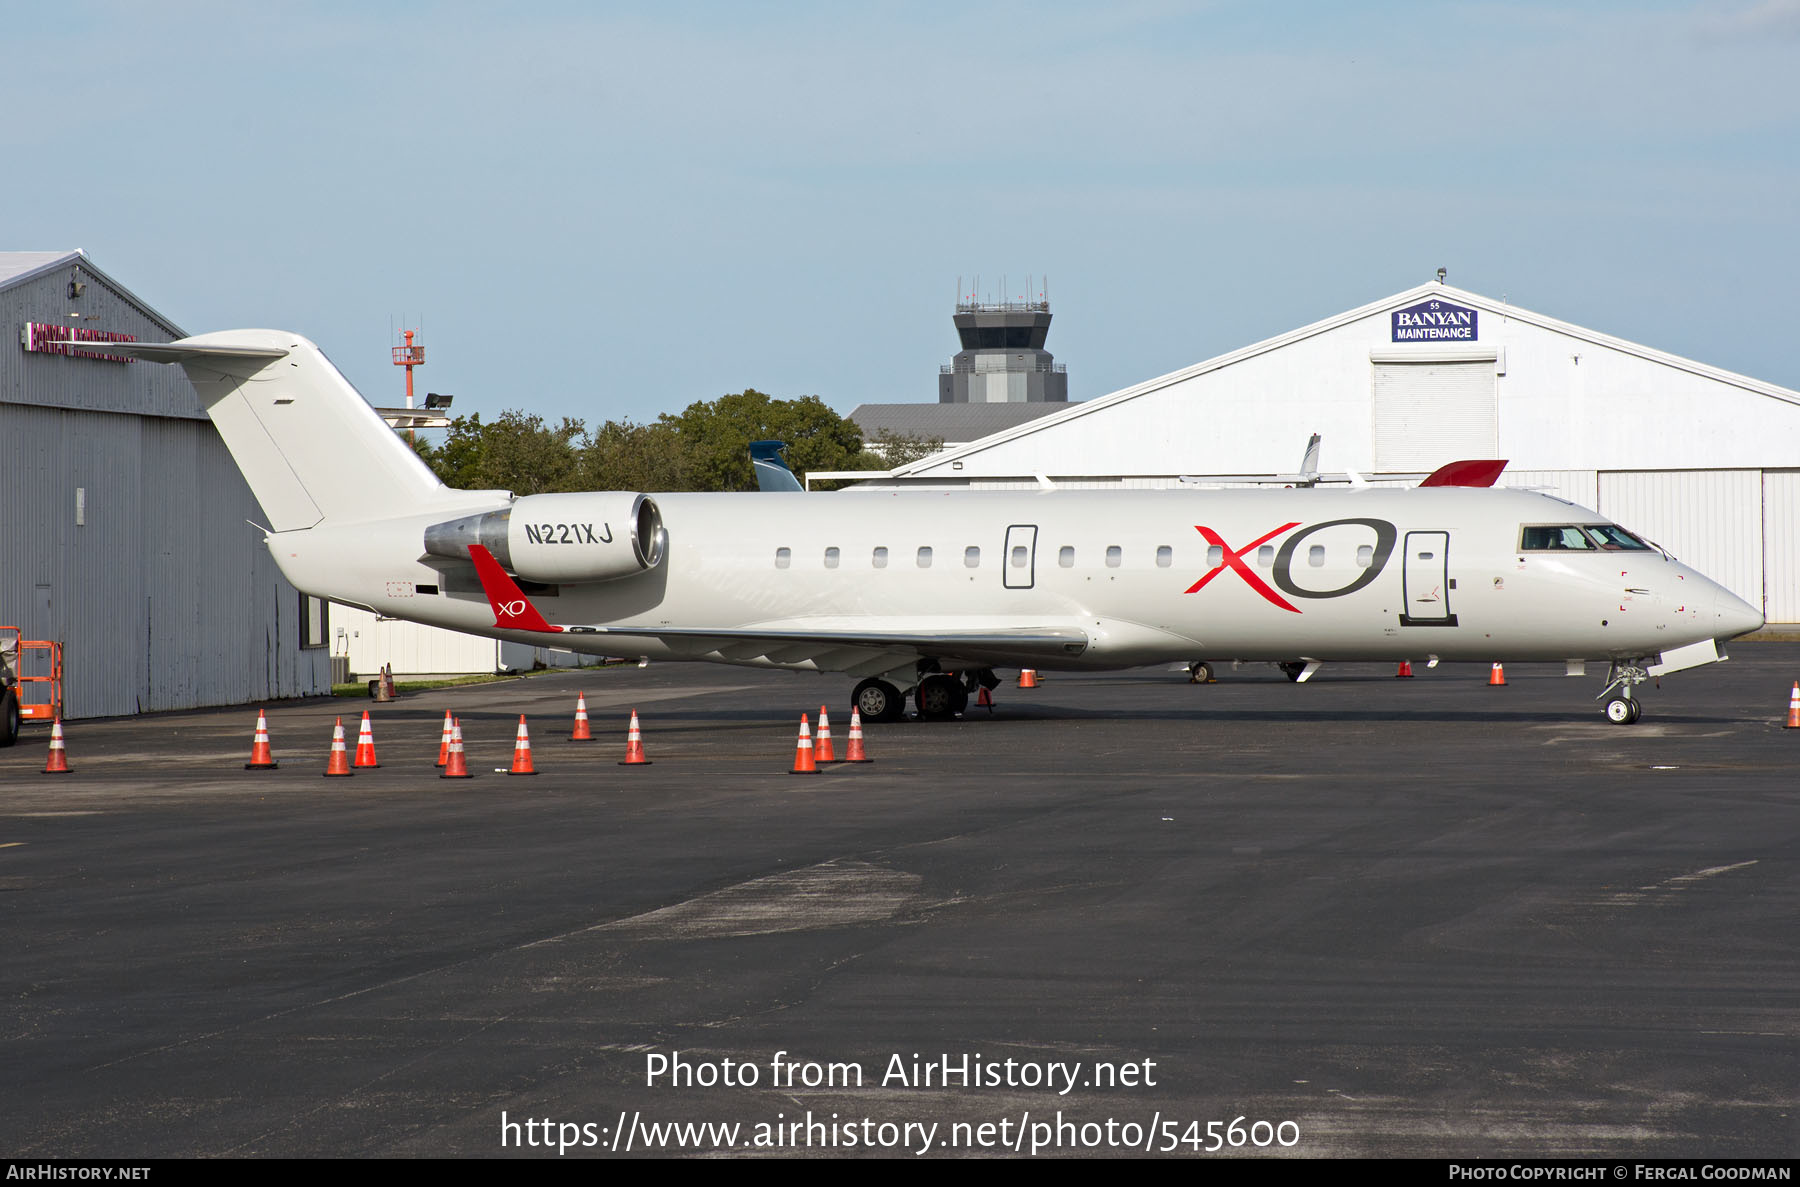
[(456, 765), (387, 680), (803, 752), (340, 756), (634, 745), (444, 746), (822, 749), (1405, 668), (1497, 677), (262, 758), (582, 733), (985, 700), (521, 764), (58, 761), (1027, 677), (365, 745), (1793, 721), (853, 750)]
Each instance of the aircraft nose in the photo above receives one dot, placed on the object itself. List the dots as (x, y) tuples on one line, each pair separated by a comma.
[(1734, 616)]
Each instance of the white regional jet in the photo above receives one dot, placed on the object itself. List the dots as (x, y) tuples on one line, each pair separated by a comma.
[(924, 593)]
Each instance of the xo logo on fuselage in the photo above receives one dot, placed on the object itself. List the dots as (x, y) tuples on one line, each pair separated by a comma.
[(514, 608), (1281, 571)]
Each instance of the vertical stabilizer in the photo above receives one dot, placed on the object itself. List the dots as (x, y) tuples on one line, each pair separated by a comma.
[(309, 445)]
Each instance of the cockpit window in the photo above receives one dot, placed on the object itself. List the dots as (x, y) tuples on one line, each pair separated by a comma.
[(1613, 537), (1558, 538)]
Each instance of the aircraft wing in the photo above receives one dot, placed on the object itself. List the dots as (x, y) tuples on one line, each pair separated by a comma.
[(860, 653), (841, 645)]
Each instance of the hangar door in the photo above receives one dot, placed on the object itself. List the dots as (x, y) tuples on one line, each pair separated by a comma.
[(1431, 412), (1781, 545), (1710, 519)]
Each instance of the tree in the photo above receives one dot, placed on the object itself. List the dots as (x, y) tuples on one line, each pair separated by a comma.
[(620, 455), (705, 447), (894, 450), (715, 437), (517, 452)]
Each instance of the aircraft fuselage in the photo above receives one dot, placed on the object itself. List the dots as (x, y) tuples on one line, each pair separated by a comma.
[(1146, 576)]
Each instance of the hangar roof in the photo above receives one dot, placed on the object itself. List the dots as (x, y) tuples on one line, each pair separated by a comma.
[(1431, 289), (951, 422), (18, 267)]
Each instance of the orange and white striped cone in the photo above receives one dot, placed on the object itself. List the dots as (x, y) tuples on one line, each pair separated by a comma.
[(804, 763), (365, 745), (1497, 677), (634, 745), (853, 750), (262, 756), (339, 764), (1405, 669), (582, 733), (387, 680), (444, 746), (1028, 678), (1793, 721), (521, 764), (456, 765), (822, 748), (57, 763)]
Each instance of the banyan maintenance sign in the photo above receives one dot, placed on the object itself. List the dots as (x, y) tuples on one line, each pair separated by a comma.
[(1435, 321)]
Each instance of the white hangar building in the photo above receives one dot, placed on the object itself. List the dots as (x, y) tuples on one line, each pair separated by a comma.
[(124, 537), (1703, 461)]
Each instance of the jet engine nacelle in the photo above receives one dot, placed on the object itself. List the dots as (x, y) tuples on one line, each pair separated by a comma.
[(597, 536)]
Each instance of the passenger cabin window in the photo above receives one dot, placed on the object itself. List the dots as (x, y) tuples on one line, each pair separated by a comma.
[(1020, 555), (1265, 556), (1113, 556), (1365, 555), (1315, 556), (972, 557), (783, 558), (879, 558), (1165, 556), (1065, 557), (831, 558), (925, 557), (1215, 556), (1558, 538)]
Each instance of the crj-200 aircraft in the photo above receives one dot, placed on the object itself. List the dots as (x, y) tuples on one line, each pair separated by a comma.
[(925, 593)]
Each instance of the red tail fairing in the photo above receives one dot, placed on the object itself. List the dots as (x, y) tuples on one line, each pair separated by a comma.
[(1470, 473)]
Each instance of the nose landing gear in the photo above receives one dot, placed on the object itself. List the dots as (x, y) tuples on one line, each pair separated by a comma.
[(1622, 708)]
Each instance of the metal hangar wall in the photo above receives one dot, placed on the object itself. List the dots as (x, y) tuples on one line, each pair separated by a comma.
[(125, 536)]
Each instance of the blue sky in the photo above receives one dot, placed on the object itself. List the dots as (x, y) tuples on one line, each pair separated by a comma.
[(612, 210)]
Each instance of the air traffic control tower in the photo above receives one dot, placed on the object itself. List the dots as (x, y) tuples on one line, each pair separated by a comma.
[(1003, 360)]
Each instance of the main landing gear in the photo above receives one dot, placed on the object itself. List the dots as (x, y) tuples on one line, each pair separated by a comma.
[(877, 700), (938, 696), (1622, 708)]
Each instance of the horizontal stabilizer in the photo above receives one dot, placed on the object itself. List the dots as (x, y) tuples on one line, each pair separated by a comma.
[(181, 352)]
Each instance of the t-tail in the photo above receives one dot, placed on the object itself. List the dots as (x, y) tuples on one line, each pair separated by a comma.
[(309, 445)]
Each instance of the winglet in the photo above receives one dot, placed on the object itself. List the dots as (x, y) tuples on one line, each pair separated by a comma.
[(513, 611), (1470, 473)]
